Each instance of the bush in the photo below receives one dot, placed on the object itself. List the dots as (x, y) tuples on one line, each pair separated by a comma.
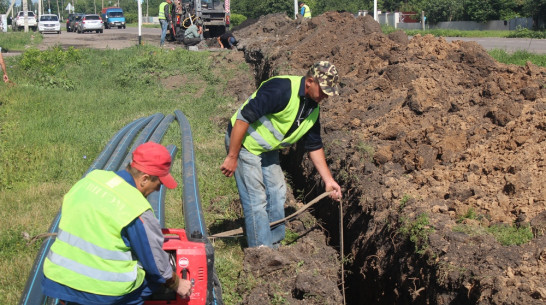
[(526, 33), (131, 17), (237, 19)]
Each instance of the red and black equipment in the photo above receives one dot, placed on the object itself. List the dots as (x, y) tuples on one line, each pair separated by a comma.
[(189, 261)]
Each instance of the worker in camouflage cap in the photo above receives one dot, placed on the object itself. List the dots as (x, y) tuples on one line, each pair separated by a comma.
[(284, 110), (326, 75)]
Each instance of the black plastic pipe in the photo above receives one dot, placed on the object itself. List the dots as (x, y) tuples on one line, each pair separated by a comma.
[(157, 199), (143, 137), (120, 151), (193, 212)]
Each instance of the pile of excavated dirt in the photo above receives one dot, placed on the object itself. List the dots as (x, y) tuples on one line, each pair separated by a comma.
[(433, 143)]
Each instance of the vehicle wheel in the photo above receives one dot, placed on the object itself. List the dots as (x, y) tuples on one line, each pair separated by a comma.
[(59, 32), (97, 31), (124, 26), (106, 26), (100, 31)]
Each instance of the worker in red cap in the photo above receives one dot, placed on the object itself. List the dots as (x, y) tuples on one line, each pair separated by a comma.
[(109, 243)]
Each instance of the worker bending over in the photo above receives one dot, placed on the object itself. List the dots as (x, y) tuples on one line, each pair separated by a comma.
[(282, 111), (109, 245)]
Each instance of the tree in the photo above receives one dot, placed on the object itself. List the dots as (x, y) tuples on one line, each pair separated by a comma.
[(537, 10), (443, 10)]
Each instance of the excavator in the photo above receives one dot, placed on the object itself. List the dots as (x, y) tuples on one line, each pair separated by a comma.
[(213, 15)]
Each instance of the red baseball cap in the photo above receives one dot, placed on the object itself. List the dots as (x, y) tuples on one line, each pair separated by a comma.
[(154, 159)]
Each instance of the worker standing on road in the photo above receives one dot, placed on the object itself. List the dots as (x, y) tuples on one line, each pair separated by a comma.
[(3, 64), (282, 111), (165, 19), (109, 246), (305, 12)]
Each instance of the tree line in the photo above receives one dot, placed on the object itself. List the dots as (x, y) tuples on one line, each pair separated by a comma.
[(435, 10)]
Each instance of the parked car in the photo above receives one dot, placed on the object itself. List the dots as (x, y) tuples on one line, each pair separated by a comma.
[(18, 22), (113, 17), (49, 23), (89, 23), (71, 21)]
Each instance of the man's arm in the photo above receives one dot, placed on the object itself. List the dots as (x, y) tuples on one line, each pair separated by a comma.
[(145, 238), (6, 79), (167, 11), (319, 160), (220, 42), (235, 142)]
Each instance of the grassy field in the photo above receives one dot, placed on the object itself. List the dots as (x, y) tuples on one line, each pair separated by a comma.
[(520, 33), (60, 112)]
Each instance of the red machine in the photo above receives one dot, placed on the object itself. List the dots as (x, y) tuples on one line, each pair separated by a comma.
[(189, 259)]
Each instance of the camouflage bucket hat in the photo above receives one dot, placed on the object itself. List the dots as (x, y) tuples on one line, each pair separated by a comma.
[(326, 75)]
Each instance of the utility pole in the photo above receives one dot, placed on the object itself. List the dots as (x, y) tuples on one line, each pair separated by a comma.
[(25, 15), (295, 9), (375, 17), (139, 23)]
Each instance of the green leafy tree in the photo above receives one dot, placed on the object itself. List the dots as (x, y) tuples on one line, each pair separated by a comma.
[(443, 10), (537, 10)]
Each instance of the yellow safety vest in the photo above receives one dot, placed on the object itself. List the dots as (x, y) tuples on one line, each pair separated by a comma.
[(268, 132), (89, 253), (307, 12), (162, 10)]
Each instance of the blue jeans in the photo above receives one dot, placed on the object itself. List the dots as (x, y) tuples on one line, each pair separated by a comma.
[(262, 191), (164, 26)]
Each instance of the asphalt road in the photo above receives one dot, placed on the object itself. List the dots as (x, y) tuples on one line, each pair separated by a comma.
[(123, 38), (510, 45)]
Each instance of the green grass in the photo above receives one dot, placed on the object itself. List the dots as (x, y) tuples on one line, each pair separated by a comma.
[(519, 33), (19, 41), (66, 105), (417, 230), (506, 235), (511, 235), (519, 58)]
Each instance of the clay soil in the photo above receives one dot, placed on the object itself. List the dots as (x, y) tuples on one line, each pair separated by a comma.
[(433, 143)]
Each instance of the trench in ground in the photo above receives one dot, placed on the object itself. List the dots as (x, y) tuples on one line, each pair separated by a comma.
[(383, 270)]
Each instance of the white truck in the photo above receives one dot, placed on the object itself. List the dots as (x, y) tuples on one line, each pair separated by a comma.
[(18, 23)]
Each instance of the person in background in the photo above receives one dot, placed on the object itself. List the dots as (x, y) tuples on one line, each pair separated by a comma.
[(282, 111), (165, 19), (227, 40), (305, 12), (3, 64), (193, 34), (109, 244)]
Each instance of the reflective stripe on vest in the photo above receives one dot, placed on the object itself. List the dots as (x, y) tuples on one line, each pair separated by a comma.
[(90, 248), (162, 10), (101, 275), (269, 131), (89, 253)]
